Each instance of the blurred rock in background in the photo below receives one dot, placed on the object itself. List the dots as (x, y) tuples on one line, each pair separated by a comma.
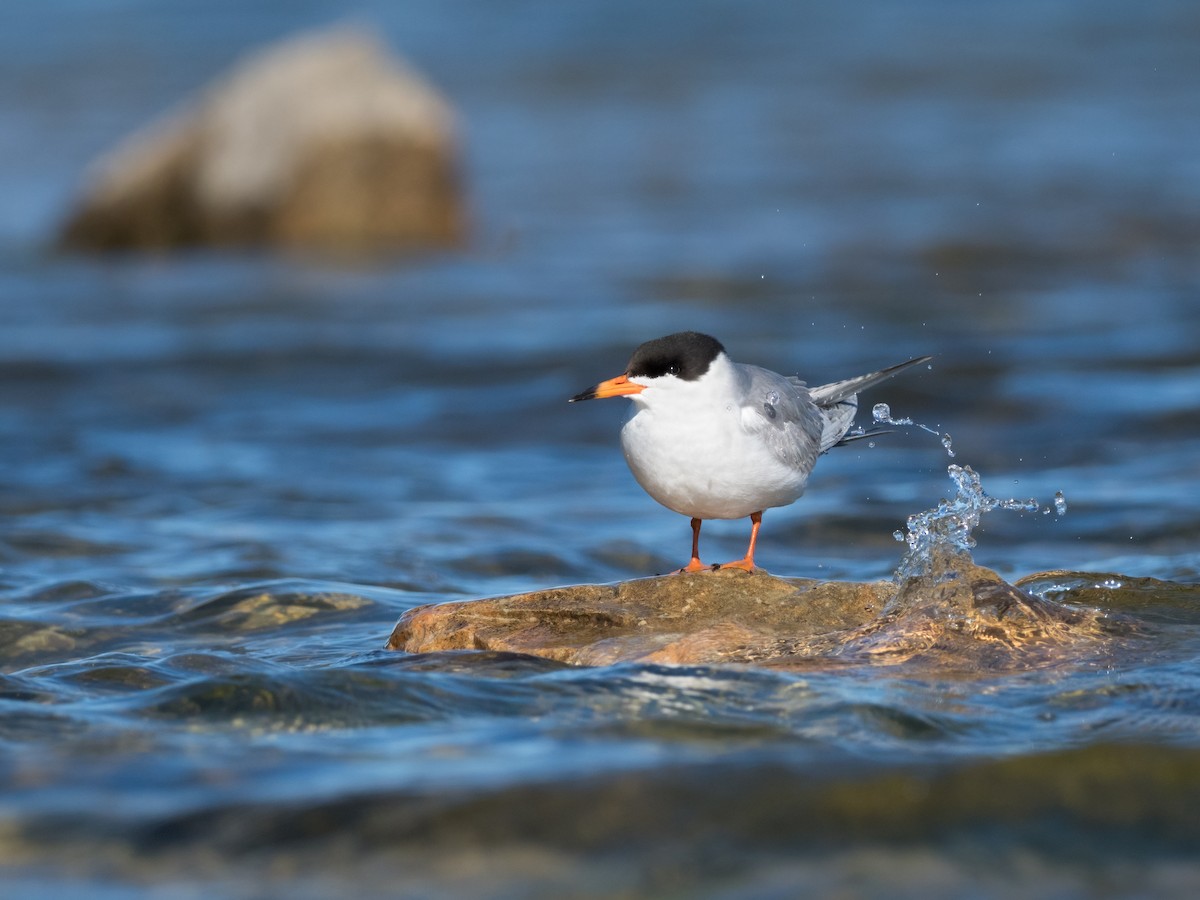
[(324, 142)]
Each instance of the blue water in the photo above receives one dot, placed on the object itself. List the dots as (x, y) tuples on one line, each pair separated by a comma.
[(225, 476)]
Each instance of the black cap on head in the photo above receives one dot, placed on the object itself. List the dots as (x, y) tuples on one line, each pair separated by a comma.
[(686, 355)]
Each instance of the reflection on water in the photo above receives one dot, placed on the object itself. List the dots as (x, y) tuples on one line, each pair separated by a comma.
[(224, 477)]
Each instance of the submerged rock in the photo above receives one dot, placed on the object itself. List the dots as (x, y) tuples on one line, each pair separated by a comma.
[(322, 142), (958, 614)]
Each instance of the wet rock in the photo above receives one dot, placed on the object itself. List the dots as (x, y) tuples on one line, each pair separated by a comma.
[(957, 614), (323, 142), (720, 616)]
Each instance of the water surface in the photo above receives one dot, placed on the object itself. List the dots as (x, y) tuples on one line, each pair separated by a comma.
[(225, 477)]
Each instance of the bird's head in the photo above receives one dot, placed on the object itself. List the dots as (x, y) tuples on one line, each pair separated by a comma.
[(666, 364)]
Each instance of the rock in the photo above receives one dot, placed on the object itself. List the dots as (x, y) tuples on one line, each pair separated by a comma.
[(322, 142), (958, 614), (961, 614), (708, 617)]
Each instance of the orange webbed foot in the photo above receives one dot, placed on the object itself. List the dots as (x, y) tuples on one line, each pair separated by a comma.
[(695, 565), (746, 563)]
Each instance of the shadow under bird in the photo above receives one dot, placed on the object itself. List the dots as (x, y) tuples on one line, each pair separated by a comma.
[(714, 439)]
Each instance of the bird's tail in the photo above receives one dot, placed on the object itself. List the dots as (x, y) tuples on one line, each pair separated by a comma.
[(835, 392), (838, 403), (858, 436)]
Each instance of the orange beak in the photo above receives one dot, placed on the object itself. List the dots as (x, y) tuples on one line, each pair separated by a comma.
[(614, 387)]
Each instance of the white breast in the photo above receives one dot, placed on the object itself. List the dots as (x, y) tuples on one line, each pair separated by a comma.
[(687, 447)]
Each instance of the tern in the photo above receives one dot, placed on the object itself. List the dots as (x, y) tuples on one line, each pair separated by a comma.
[(710, 438)]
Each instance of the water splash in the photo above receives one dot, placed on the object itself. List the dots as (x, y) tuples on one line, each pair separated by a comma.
[(950, 524), (882, 414), (947, 528)]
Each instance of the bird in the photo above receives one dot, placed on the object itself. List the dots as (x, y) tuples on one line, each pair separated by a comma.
[(711, 438)]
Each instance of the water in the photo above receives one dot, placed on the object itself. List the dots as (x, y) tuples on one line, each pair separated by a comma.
[(225, 477), (881, 413), (952, 523)]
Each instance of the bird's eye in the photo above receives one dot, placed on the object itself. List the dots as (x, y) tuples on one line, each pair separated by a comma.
[(672, 369)]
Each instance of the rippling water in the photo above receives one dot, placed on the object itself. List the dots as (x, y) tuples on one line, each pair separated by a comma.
[(225, 477)]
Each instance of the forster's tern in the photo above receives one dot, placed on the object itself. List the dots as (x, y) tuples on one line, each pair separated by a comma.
[(713, 439)]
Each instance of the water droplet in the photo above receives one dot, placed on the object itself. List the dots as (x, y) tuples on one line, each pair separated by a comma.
[(871, 444), (882, 414), (1060, 503), (898, 535), (772, 398)]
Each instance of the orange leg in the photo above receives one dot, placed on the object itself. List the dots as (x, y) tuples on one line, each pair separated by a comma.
[(695, 565), (748, 562)]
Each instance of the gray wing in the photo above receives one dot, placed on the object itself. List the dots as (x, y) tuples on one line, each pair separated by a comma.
[(781, 412), (838, 401), (838, 419)]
